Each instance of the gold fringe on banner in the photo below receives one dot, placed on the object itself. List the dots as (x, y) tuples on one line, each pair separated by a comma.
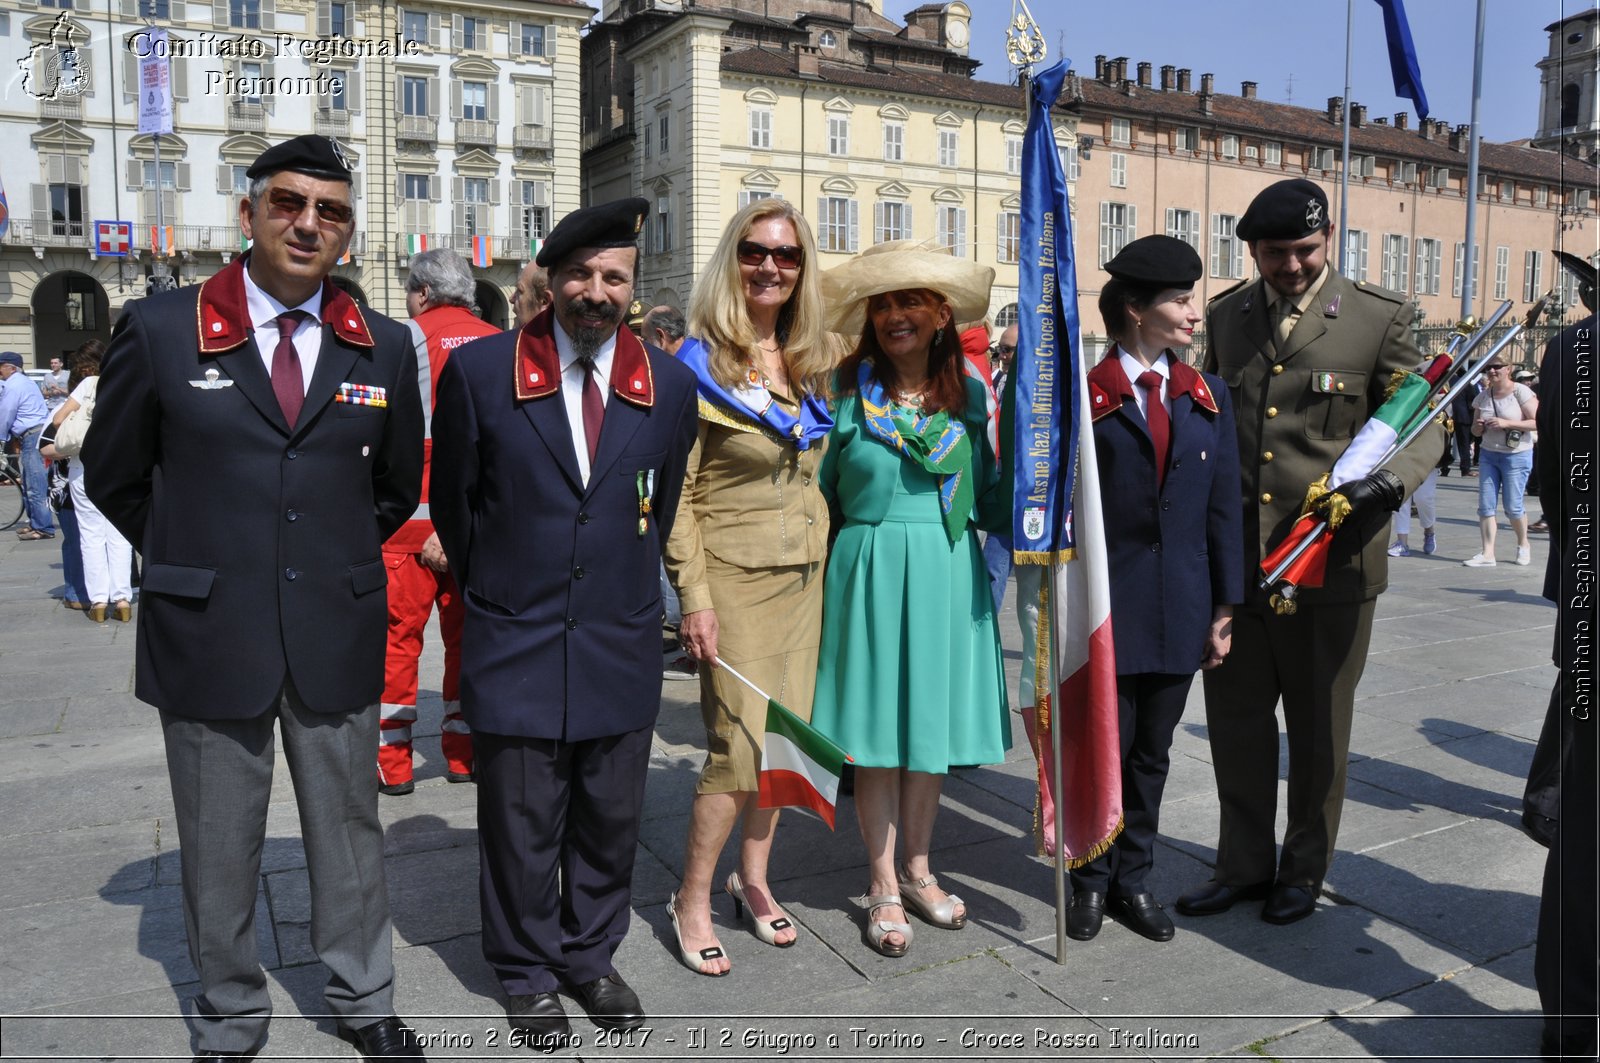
[(1042, 557)]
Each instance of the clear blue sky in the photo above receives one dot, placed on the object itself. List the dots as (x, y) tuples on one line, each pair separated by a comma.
[(1271, 41)]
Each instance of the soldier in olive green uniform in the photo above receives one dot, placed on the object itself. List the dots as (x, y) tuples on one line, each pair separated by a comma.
[(1307, 355)]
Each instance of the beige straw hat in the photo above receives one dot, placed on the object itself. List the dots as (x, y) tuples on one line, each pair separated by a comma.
[(899, 265)]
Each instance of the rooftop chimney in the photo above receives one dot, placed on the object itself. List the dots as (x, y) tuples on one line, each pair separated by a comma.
[(1380, 121), (1247, 89), (1099, 67), (1461, 137), (1122, 68), (1183, 79), (805, 60), (1144, 75), (1402, 120), (1358, 115), (1207, 83), (1336, 109), (1168, 77)]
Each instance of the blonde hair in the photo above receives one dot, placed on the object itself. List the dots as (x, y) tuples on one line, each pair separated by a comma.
[(719, 319)]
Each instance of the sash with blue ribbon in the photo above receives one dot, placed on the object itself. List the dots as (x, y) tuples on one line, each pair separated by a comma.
[(938, 443), (751, 406)]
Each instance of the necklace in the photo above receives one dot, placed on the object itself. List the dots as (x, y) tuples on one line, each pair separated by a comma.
[(911, 399)]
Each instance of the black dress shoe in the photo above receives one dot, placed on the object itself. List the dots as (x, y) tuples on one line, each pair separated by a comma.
[(1289, 904), (610, 1003), (385, 1039), (539, 1021), (1215, 897), (218, 1057), (1084, 913), (1144, 916), (399, 789)]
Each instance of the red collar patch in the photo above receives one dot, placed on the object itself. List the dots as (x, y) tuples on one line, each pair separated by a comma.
[(538, 364), (1185, 380), (222, 313), (1109, 386)]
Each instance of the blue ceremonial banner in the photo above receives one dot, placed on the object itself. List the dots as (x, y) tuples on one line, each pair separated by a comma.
[(1045, 441), (1403, 55)]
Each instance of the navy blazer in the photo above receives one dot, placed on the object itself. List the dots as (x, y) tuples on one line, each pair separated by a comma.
[(561, 581), (262, 546), (1175, 550)]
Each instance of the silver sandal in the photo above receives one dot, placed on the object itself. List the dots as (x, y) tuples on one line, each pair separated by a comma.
[(941, 914), (879, 929)]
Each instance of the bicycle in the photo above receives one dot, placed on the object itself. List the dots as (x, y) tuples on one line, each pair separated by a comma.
[(13, 504)]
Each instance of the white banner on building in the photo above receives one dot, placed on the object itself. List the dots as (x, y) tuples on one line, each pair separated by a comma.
[(155, 85)]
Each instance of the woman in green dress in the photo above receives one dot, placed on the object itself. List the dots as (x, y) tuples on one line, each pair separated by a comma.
[(910, 678)]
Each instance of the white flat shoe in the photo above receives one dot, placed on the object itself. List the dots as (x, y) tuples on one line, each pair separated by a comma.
[(1479, 561)]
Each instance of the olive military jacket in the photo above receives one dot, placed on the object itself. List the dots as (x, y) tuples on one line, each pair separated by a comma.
[(1297, 409)]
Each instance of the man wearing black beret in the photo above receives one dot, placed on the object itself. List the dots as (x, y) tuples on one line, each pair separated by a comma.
[(1307, 355), (257, 438), (559, 451)]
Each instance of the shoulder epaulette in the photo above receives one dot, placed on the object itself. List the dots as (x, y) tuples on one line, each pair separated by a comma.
[(1229, 290), (1381, 292)]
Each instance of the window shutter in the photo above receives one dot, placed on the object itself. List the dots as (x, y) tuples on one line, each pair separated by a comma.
[(324, 19), (41, 208), (829, 241), (355, 186), (494, 101), (130, 8), (352, 91), (225, 179), (1133, 225), (1105, 232), (435, 31), (877, 222), (180, 78), (130, 75), (541, 105), (435, 187), (219, 13), (494, 191), (455, 99), (183, 176), (433, 97), (906, 231), (400, 93), (541, 193), (1000, 237), (135, 174), (855, 240), (550, 42), (961, 232), (457, 33)]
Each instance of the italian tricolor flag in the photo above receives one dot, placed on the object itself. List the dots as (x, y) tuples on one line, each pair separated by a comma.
[(416, 243), (799, 766)]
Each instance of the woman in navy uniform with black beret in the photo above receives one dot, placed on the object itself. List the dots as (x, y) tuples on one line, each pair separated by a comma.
[(1169, 469)]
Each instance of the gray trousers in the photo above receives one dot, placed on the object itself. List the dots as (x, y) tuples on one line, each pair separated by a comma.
[(221, 772)]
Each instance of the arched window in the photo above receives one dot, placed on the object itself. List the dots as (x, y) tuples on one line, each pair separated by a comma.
[(1570, 95)]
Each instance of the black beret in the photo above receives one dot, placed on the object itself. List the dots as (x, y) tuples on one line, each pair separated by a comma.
[(312, 155), (1158, 260), (614, 224), (1286, 210)]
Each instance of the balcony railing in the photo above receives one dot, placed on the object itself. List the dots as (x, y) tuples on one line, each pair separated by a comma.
[(531, 136), (32, 232), (418, 127), (500, 246), (69, 108), (246, 117), (476, 132), (330, 123)]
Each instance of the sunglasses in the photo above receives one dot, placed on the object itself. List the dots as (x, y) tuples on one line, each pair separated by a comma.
[(1004, 348), (294, 203), (1494, 369), (786, 257)]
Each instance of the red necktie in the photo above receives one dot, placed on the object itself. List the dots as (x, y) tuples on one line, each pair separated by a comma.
[(594, 411), (1155, 415), (287, 382)]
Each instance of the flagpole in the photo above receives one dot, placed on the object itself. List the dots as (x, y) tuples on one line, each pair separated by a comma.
[(1344, 164), (1468, 247), (1055, 760), (720, 663)]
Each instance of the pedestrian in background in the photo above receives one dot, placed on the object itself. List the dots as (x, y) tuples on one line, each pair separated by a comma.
[(1503, 422), (23, 415)]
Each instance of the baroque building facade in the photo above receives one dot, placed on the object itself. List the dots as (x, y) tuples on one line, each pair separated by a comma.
[(881, 129), (461, 120)]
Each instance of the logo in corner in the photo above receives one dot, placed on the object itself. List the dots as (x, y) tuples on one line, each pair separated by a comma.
[(54, 69)]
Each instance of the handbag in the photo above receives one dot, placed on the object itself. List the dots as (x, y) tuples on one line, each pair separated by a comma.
[(70, 433)]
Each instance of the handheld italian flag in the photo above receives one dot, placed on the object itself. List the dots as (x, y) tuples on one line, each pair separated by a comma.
[(482, 256), (799, 766), (1406, 403), (416, 243), (534, 243)]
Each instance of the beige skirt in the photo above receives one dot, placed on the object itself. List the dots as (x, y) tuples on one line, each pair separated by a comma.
[(769, 622)]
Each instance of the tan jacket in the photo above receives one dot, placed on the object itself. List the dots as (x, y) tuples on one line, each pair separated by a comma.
[(1298, 410), (751, 501)]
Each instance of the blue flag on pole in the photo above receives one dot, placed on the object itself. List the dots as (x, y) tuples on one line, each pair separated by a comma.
[(1403, 55)]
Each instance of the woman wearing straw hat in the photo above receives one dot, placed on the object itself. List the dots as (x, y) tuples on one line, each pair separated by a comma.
[(910, 680), (747, 548)]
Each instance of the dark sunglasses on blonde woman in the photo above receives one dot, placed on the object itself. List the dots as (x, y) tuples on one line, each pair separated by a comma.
[(787, 256)]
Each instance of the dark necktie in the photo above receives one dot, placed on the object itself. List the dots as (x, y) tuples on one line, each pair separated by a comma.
[(594, 411), (287, 382), (1155, 415)]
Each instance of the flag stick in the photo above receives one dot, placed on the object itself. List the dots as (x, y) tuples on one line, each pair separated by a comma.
[(1344, 158), (1055, 759), (720, 663), (1469, 246)]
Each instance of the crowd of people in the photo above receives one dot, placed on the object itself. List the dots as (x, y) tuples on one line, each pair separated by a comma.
[(800, 473)]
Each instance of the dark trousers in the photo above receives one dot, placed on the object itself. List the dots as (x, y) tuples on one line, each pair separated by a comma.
[(1568, 949), (1313, 660), (221, 772), (558, 825), (1148, 709)]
